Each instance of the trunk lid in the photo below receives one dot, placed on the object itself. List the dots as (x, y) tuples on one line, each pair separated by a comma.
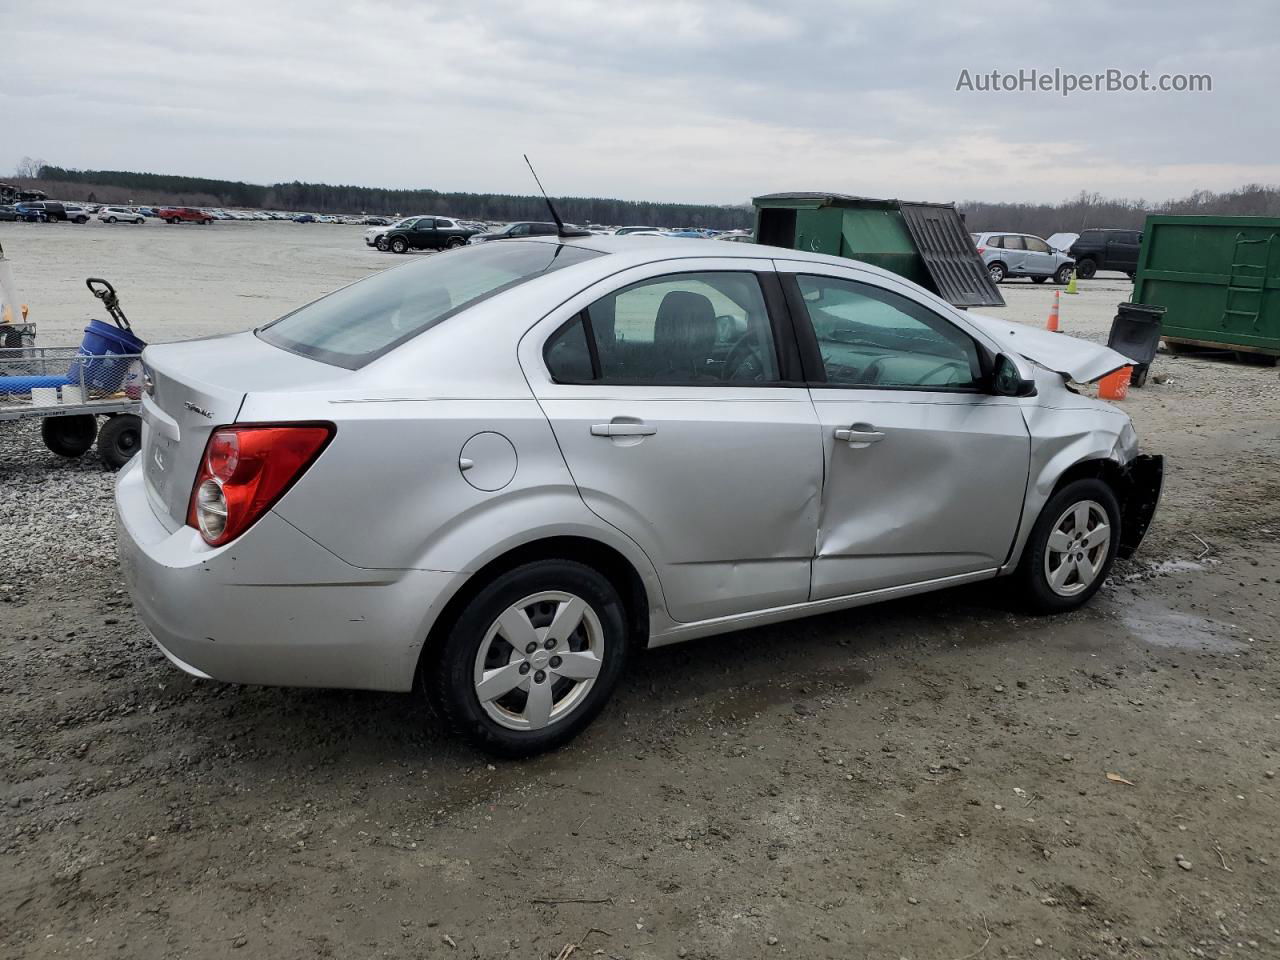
[(192, 387), (1075, 359)]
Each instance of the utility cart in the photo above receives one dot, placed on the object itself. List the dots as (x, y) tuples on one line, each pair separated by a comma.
[(70, 388)]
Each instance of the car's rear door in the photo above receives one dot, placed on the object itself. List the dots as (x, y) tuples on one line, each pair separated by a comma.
[(925, 473), (673, 390)]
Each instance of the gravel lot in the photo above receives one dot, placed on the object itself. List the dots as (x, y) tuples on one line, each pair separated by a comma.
[(925, 779)]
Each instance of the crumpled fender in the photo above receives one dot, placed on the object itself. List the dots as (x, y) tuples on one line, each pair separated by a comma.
[(1071, 357)]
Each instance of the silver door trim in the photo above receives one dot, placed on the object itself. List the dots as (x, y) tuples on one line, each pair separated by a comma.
[(793, 611)]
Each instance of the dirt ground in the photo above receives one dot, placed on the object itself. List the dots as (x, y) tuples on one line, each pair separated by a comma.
[(933, 779)]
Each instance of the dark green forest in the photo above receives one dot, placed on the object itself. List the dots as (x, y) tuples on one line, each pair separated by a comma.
[(346, 199)]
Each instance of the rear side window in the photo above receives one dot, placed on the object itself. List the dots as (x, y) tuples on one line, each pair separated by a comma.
[(699, 329), (359, 323)]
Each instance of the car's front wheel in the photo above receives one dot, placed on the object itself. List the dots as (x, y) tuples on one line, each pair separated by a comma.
[(1063, 274), (399, 245), (1071, 547), (1086, 268), (531, 659)]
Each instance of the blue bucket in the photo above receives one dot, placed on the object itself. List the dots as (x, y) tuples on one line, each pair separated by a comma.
[(101, 342)]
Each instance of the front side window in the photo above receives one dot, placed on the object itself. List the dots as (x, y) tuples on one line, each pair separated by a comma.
[(519, 230), (360, 322), (1036, 245), (870, 337), (688, 328)]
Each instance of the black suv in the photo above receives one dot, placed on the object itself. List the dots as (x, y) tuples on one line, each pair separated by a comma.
[(425, 233), (1112, 249)]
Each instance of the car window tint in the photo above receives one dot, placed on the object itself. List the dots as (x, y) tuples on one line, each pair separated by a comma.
[(519, 230), (996, 242), (1012, 242), (567, 354), (360, 322), (685, 328), (1036, 245), (872, 337)]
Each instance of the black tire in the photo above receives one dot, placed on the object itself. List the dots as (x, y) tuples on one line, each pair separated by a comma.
[(140, 220), (82, 219), (455, 242), (1132, 276), (997, 271), (447, 670), (381, 244), (1138, 378), (111, 219), (69, 436), (1086, 268), (1039, 279), (399, 245), (119, 439), (1034, 591), (1063, 274), (175, 220)]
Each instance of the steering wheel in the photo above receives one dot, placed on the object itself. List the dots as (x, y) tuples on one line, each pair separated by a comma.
[(744, 361), (871, 372), (949, 365)]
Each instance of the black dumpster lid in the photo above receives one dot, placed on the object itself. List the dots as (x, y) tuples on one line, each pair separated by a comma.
[(958, 273)]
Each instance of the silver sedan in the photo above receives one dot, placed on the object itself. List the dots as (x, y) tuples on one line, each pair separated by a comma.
[(495, 473)]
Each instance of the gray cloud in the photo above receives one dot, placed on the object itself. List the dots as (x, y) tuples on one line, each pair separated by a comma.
[(666, 99)]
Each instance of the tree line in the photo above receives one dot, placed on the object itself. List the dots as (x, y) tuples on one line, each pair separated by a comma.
[(1094, 210), (348, 199)]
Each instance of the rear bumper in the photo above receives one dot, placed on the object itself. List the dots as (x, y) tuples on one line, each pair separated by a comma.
[(1145, 480), (274, 607)]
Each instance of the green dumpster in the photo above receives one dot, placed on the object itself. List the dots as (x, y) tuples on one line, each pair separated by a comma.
[(924, 242), (1218, 279)]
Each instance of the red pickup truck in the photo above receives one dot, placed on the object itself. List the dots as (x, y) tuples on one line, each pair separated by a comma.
[(181, 214)]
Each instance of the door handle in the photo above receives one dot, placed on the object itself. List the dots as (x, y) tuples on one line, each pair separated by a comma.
[(858, 436), (623, 429)]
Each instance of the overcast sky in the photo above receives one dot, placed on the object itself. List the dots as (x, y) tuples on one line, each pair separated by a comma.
[(646, 99)]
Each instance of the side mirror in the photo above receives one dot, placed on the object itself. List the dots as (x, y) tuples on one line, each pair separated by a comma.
[(1012, 377)]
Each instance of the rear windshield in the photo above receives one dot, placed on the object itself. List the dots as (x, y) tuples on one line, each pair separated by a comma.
[(354, 325)]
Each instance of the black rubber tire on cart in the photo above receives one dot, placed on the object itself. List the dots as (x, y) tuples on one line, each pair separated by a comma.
[(69, 436), (119, 439)]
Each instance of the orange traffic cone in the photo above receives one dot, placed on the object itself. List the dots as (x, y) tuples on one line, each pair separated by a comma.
[(1052, 325)]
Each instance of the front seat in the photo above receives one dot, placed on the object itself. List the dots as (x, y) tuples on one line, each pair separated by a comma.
[(684, 336)]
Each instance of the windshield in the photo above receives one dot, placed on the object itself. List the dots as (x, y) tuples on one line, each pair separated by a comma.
[(359, 323)]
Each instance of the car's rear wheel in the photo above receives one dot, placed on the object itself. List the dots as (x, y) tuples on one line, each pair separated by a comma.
[(531, 659), (997, 272), (111, 219), (455, 242), (1086, 268), (399, 245), (1071, 547)]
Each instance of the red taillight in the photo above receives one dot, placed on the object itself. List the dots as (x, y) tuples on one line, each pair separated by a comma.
[(981, 251), (245, 470)]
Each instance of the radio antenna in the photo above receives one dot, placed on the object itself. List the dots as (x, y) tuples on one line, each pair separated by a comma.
[(561, 229)]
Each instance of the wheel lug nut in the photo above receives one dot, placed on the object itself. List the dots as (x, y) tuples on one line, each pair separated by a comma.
[(550, 644), (531, 647), (555, 662), (524, 668), (539, 676)]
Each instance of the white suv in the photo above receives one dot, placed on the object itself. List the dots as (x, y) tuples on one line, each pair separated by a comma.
[(116, 214)]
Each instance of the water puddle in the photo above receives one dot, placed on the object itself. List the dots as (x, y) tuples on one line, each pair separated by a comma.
[(1158, 625)]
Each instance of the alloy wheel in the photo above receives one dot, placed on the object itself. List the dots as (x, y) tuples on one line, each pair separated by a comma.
[(538, 660), (1078, 548)]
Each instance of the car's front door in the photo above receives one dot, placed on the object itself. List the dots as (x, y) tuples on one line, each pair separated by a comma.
[(678, 405), (1014, 253), (1040, 260), (925, 472)]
